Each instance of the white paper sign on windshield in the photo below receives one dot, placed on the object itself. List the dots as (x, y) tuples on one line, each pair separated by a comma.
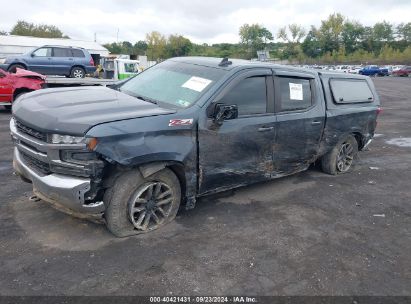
[(296, 91), (196, 83)]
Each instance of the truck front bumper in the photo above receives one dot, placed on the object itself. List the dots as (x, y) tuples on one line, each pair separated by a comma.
[(65, 192)]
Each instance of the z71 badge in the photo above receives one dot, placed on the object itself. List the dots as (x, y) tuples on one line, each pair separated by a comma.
[(180, 122)]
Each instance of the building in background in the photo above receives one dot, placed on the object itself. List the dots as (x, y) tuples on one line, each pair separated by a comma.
[(16, 45)]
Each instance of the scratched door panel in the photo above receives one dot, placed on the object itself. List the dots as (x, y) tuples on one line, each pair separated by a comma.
[(300, 122)]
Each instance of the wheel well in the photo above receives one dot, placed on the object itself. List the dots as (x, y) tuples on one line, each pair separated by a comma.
[(359, 138), (17, 63), (77, 66), (19, 91), (179, 171), (113, 171)]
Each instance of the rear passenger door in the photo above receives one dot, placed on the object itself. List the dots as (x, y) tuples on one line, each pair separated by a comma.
[(300, 115), (62, 61), (239, 151)]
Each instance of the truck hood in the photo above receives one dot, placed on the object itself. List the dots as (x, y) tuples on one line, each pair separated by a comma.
[(75, 110)]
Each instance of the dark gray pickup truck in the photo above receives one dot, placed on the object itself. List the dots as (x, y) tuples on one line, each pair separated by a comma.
[(187, 127)]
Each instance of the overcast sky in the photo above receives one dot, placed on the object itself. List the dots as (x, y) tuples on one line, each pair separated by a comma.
[(202, 21)]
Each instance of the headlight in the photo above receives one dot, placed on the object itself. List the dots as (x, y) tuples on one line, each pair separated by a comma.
[(66, 139)]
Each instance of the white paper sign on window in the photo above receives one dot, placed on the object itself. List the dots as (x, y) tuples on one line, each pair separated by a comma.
[(196, 83), (296, 91)]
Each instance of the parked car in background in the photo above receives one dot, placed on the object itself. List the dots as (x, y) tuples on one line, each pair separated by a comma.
[(405, 71), (373, 70), (14, 85), (342, 68), (54, 60), (354, 69)]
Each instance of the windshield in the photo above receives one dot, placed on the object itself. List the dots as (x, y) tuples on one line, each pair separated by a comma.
[(174, 83)]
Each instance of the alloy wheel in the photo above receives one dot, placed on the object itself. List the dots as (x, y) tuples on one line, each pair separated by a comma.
[(77, 73), (345, 157), (150, 205)]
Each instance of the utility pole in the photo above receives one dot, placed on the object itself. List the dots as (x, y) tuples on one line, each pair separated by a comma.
[(118, 30), (95, 37)]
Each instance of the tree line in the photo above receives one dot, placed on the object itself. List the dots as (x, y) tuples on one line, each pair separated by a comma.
[(24, 28), (337, 40)]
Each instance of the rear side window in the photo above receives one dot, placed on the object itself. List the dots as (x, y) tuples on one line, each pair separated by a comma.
[(295, 94), (77, 53), (350, 91), (249, 95), (60, 52)]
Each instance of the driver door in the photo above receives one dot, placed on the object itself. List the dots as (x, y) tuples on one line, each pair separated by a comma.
[(239, 151), (41, 60)]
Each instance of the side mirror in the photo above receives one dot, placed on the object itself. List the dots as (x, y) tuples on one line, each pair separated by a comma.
[(32, 55), (224, 112)]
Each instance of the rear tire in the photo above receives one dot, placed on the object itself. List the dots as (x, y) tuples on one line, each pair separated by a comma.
[(135, 204), (340, 159), (13, 68), (77, 72)]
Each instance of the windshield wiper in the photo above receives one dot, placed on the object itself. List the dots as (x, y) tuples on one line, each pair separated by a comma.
[(146, 99), (140, 97)]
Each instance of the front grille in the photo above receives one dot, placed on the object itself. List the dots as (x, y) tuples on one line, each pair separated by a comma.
[(36, 164), (30, 131)]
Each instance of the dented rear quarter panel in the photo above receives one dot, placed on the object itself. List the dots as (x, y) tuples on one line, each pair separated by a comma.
[(359, 119)]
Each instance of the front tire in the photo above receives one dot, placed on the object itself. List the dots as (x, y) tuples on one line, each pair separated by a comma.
[(135, 204), (77, 72), (340, 159)]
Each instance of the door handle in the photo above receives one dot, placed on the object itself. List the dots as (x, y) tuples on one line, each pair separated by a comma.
[(316, 122), (264, 129)]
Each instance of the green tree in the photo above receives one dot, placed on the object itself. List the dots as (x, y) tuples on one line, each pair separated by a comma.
[(351, 34), (23, 28), (114, 48), (178, 45), (156, 46), (292, 34), (311, 45), (330, 32), (403, 31), (253, 38), (3, 33), (383, 31), (140, 47), (127, 48)]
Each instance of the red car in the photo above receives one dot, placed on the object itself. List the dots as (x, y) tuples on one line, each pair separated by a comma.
[(13, 85), (404, 71)]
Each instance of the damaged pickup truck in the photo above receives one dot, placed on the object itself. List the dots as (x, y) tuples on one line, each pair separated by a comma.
[(185, 128)]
